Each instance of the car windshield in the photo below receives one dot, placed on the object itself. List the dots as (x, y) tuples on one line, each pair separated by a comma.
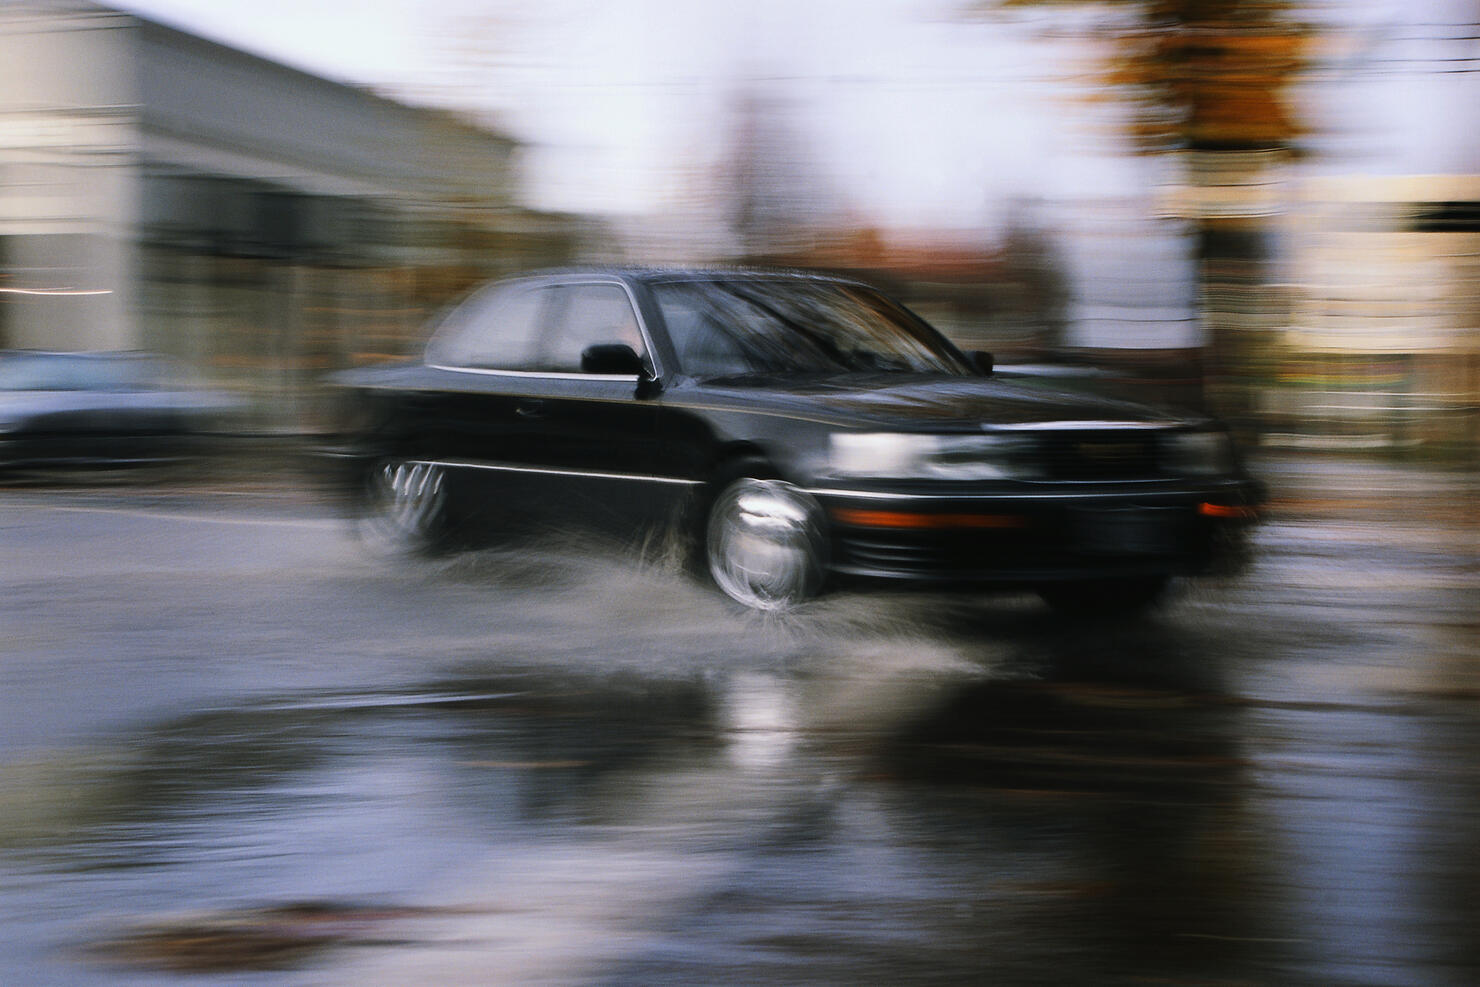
[(725, 328), (75, 372)]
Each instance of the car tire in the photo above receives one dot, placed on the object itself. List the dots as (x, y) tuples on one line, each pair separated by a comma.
[(405, 508), (1105, 598), (765, 543)]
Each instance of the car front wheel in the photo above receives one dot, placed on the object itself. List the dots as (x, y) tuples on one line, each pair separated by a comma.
[(765, 543)]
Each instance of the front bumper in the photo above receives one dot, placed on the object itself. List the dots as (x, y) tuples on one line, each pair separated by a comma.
[(1042, 535)]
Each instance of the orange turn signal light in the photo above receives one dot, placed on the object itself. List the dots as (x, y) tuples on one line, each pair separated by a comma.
[(911, 519), (1237, 511)]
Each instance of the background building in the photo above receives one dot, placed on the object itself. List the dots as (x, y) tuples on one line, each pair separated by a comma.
[(165, 192), (1383, 344)]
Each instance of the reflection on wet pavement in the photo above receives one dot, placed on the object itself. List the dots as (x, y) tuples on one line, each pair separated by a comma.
[(1095, 829)]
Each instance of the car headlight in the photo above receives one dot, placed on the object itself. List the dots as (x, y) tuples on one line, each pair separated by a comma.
[(936, 457), (1200, 453)]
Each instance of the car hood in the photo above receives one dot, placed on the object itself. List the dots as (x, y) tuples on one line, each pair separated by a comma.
[(918, 403)]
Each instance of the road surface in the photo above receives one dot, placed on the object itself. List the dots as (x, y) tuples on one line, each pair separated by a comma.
[(236, 748)]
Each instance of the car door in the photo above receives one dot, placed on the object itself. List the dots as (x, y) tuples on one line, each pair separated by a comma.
[(590, 437), (467, 413)]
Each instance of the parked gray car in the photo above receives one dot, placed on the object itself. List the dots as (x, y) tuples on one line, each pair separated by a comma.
[(103, 409)]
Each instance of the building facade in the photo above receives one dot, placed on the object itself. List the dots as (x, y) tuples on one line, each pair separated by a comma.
[(1382, 348), (160, 191)]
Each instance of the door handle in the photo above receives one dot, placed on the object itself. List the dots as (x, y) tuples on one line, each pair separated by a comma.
[(531, 409)]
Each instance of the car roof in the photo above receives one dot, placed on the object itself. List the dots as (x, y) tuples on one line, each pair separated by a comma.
[(658, 275)]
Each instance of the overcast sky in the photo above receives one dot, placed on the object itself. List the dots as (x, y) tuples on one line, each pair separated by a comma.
[(922, 119)]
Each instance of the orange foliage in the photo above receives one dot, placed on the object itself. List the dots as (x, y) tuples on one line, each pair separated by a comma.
[(1200, 73)]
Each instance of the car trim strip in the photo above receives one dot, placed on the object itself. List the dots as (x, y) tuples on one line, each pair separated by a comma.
[(475, 464), (546, 374)]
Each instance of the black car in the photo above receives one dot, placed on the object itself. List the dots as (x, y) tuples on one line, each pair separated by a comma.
[(103, 408), (794, 430)]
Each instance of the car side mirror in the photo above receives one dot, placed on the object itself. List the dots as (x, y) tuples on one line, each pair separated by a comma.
[(982, 360), (611, 358)]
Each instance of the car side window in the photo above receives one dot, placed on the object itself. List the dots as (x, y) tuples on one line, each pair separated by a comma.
[(587, 314), (496, 329)]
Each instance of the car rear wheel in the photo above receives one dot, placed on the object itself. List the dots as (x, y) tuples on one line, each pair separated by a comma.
[(1105, 598), (765, 544), (405, 508)]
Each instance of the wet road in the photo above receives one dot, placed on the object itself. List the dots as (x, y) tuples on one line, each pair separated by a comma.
[(234, 748)]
